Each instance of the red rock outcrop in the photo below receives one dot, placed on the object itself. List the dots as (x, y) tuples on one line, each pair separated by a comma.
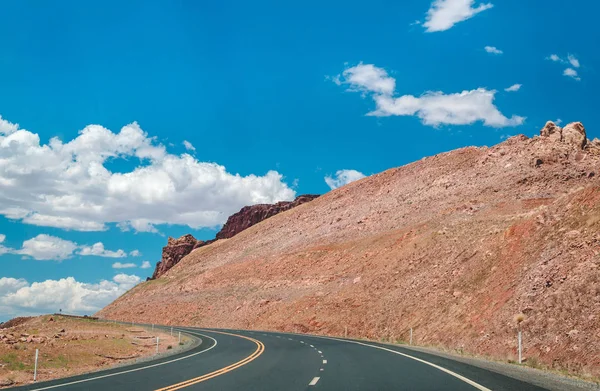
[(250, 215), (236, 223), (174, 251), (452, 246)]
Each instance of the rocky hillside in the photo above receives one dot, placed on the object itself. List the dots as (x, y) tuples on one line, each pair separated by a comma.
[(236, 223), (453, 246)]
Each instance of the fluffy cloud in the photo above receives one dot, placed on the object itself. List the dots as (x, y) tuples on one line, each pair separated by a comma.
[(8, 285), (135, 253), (66, 184), (98, 250), (433, 107), (368, 78), (145, 265), (18, 296), (573, 61), (188, 145), (554, 57), (119, 265), (570, 72), (437, 108), (493, 50), (443, 14), (513, 88), (343, 177), (46, 247), (126, 280)]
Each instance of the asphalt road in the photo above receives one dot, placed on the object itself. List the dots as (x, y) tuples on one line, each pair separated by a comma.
[(256, 360)]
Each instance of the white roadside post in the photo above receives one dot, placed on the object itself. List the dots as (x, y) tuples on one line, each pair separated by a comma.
[(411, 336), (519, 318), (152, 326), (37, 351), (345, 331), (157, 339), (171, 331), (180, 337), (520, 348)]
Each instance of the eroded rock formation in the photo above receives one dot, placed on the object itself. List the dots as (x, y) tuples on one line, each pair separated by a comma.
[(236, 223), (250, 215), (174, 251)]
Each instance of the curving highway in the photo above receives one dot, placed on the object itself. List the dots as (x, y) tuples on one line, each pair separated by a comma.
[(256, 360)]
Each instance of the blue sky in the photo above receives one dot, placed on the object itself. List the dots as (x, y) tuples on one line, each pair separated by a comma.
[(273, 99)]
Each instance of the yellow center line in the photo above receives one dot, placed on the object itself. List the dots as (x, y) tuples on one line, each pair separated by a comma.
[(260, 348)]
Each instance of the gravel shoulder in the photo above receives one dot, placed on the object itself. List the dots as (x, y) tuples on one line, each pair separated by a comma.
[(543, 378)]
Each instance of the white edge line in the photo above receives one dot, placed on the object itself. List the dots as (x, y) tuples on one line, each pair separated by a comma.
[(449, 372), (131, 370), (468, 381), (314, 381)]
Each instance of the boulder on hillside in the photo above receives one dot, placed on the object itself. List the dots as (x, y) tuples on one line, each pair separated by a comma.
[(573, 134)]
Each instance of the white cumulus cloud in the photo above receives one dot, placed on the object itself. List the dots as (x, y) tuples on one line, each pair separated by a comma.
[(493, 50), (368, 78), (67, 185), (573, 61), (135, 253), (18, 297), (119, 265), (555, 58), (443, 14), (570, 72), (46, 247), (126, 279), (513, 88), (434, 108), (145, 265), (343, 177), (188, 145), (8, 285), (97, 249)]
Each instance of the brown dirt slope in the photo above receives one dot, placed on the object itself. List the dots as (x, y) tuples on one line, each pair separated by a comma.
[(453, 245)]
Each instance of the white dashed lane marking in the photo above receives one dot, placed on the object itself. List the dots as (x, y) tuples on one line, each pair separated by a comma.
[(314, 381), (324, 361)]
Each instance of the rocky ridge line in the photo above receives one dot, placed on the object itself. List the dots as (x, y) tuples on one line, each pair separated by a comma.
[(248, 216)]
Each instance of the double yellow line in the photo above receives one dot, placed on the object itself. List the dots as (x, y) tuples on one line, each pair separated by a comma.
[(260, 348)]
